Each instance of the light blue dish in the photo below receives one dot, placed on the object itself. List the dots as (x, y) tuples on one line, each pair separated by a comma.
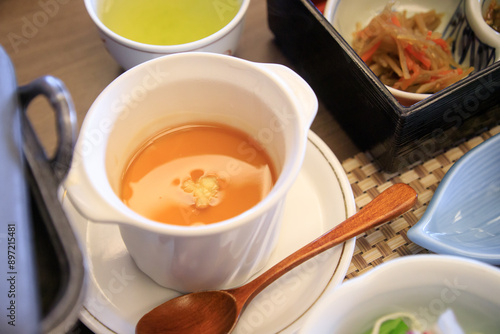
[(463, 217)]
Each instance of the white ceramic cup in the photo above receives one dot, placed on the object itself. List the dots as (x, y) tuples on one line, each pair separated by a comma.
[(130, 53), (268, 101)]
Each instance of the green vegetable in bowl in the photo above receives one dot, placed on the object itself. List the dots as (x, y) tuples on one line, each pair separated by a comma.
[(407, 323), (396, 323), (393, 326)]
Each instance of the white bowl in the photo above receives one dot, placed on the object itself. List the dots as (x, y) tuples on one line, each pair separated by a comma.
[(130, 53), (475, 10), (426, 285), (467, 50)]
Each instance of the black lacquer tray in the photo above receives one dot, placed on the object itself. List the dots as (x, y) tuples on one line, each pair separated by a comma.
[(396, 136)]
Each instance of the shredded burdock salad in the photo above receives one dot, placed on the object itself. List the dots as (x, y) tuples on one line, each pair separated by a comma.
[(406, 53)]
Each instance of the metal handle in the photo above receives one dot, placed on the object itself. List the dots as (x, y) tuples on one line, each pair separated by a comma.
[(45, 177), (56, 93)]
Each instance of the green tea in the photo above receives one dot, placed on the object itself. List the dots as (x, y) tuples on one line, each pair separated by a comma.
[(167, 22)]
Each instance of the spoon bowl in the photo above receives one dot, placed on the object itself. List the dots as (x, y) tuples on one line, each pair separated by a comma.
[(462, 217), (218, 311), (221, 305)]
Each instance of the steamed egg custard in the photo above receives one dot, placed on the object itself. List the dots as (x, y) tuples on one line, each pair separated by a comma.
[(167, 22), (197, 174)]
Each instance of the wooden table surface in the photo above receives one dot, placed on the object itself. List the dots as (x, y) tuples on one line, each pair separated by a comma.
[(58, 38)]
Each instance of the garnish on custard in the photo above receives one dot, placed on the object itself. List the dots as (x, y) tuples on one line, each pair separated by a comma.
[(204, 190)]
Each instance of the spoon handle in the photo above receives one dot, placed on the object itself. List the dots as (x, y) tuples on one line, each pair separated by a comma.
[(386, 206)]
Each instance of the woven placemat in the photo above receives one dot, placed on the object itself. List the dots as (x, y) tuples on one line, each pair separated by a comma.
[(389, 240)]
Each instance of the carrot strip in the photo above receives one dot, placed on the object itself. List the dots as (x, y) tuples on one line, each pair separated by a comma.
[(442, 43), (395, 21), (368, 54), (409, 62), (420, 56)]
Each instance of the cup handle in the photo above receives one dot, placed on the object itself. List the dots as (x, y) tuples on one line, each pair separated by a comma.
[(86, 200), (300, 88)]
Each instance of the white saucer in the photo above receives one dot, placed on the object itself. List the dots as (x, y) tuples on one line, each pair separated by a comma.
[(119, 293)]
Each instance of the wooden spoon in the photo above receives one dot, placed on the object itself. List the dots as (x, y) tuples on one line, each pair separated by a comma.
[(218, 311)]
